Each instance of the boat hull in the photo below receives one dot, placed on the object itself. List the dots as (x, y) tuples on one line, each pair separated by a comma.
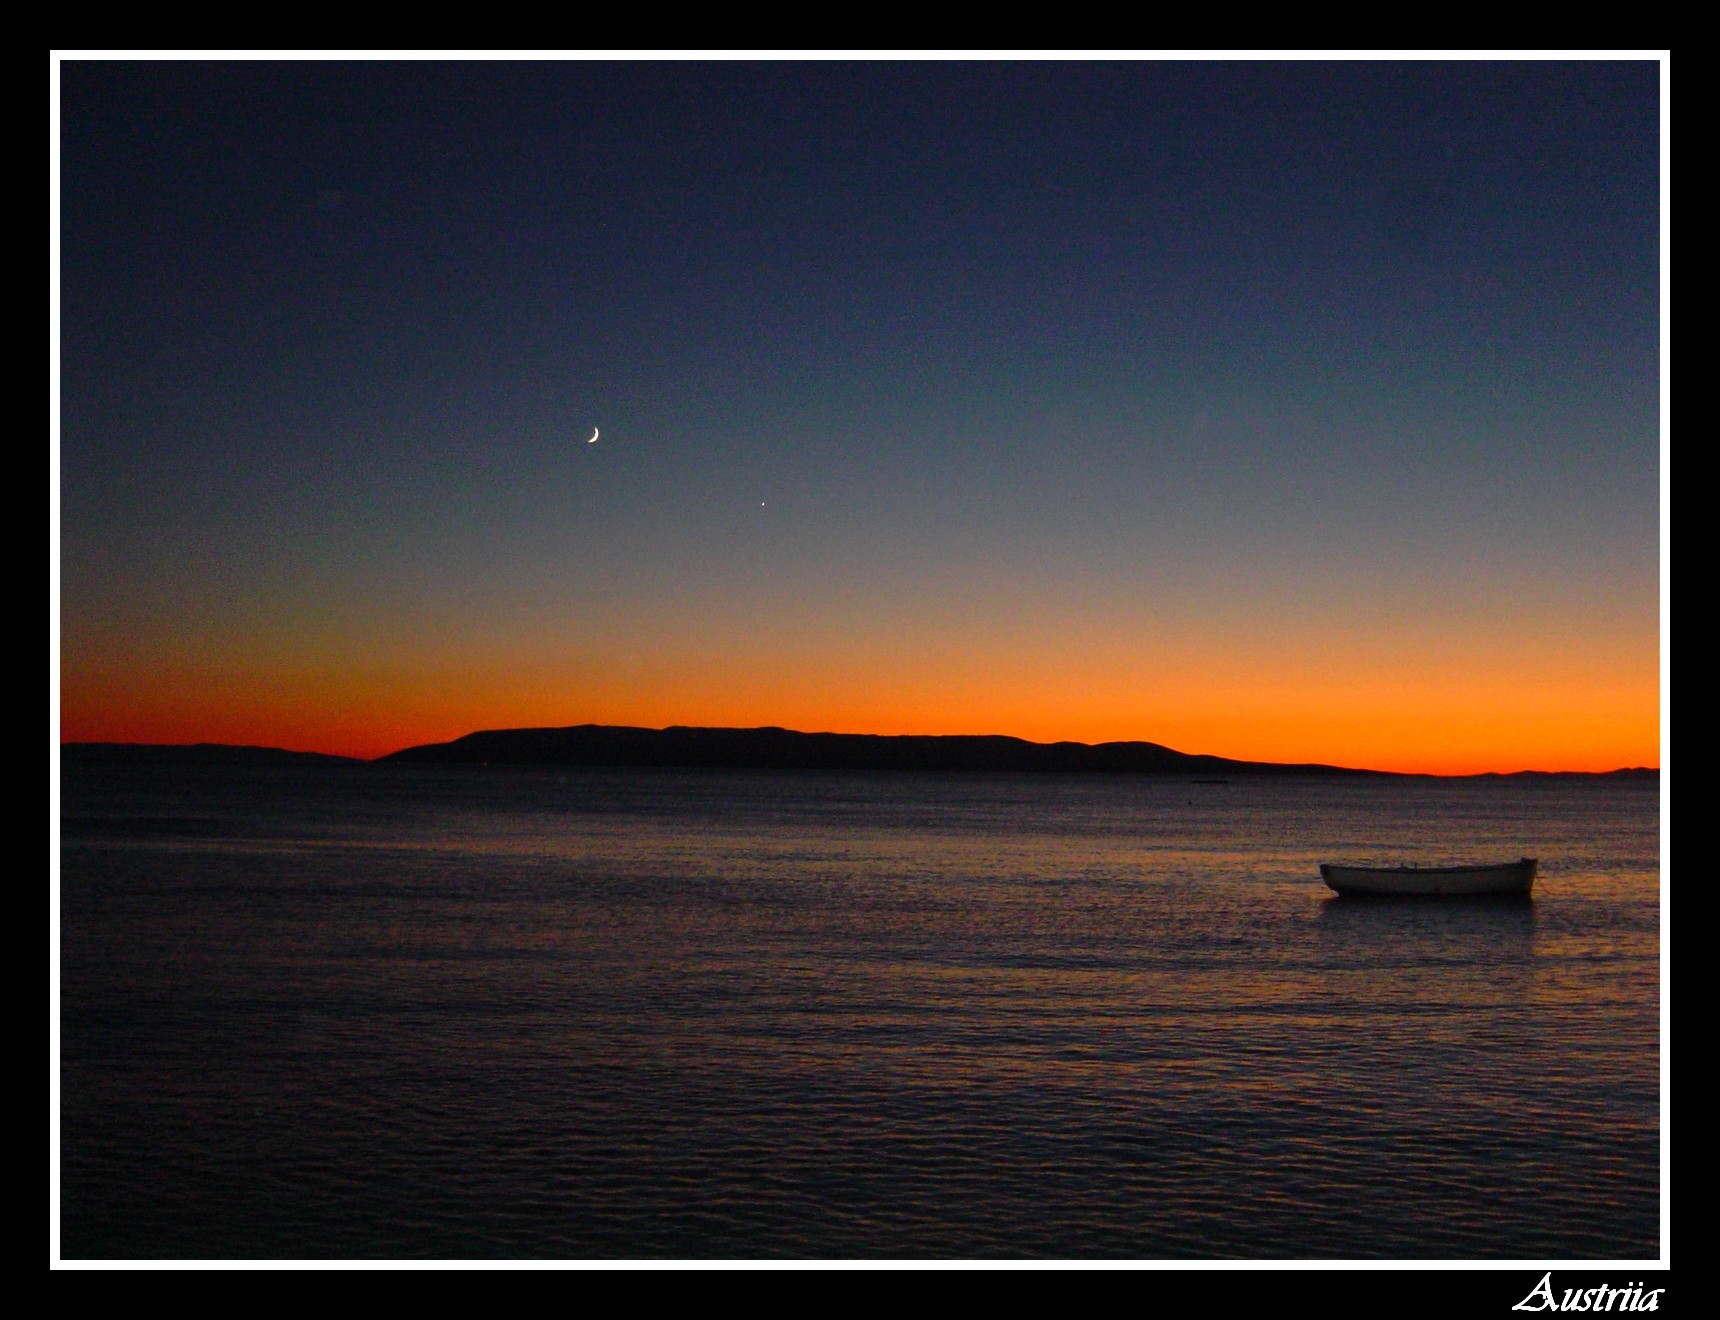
[(1504, 878)]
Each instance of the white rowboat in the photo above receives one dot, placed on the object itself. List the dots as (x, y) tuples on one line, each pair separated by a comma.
[(1496, 878)]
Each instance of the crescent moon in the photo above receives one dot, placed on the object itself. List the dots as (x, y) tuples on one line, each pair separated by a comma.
[(594, 434)]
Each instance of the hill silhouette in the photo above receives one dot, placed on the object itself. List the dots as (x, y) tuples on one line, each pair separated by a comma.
[(771, 748), (97, 753), (784, 749)]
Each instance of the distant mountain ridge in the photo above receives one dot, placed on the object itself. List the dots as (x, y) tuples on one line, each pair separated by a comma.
[(770, 748), (86, 753)]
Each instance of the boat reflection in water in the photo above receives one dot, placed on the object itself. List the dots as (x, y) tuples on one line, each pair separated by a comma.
[(1502, 879)]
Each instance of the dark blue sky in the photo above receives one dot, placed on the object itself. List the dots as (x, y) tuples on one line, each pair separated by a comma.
[(924, 369)]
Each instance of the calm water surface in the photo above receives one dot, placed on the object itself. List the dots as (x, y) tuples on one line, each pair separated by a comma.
[(392, 1012)]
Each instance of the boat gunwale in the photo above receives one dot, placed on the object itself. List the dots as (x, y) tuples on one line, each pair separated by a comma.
[(1494, 879), (1415, 869)]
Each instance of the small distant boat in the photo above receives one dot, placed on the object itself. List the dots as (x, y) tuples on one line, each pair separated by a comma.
[(1495, 878)]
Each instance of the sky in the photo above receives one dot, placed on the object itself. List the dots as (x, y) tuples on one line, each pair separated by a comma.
[(1283, 410)]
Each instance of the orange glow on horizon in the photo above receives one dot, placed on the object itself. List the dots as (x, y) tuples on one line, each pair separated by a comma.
[(1429, 721)]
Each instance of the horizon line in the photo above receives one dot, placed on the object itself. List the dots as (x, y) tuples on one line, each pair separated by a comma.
[(777, 728)]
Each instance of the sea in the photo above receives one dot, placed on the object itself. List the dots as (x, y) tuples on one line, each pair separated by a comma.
[(478, 1013)]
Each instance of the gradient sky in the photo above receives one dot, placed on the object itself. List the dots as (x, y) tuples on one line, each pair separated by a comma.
[(1290, 411)]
